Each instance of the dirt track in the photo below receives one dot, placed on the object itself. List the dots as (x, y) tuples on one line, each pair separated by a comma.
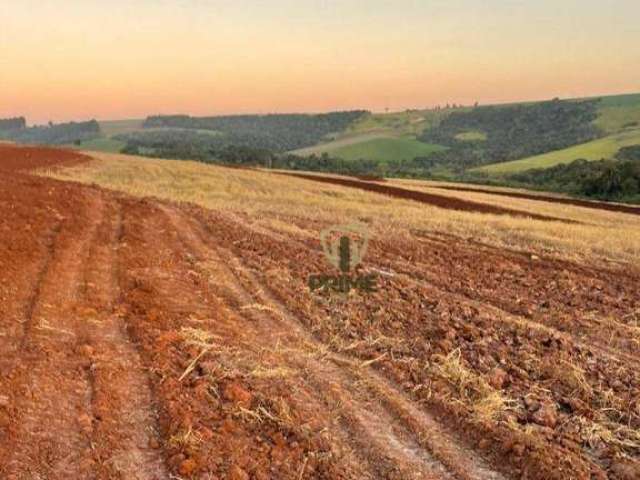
[(441, 201), (143, 339), (610, 207)]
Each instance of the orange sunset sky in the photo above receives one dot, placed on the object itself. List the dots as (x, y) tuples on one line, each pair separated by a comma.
[(79, 59)]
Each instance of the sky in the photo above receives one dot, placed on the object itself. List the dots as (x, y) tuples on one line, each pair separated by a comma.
[(66, 60)]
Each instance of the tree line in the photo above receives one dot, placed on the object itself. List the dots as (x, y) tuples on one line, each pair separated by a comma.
[(276, 132), (607, 179), (512, 132), (53, 134), (10, 124)]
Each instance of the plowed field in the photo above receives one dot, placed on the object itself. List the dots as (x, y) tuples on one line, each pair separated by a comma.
[(143, 338)]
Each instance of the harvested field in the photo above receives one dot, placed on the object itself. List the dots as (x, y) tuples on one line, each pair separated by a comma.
[(156, 324)]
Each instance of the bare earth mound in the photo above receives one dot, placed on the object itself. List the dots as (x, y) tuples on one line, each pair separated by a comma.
[(149, 339)]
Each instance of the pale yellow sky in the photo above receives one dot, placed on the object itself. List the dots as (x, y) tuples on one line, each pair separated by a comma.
[(80, 59)]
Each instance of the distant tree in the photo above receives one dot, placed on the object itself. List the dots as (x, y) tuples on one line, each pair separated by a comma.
[(57, 134), (630, 186), (8, 124)]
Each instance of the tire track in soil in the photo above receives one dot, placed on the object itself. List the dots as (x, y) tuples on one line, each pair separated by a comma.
[(80, 400), (182, 293), (14, 336), (395, 432), (35, 295), (226, 322), (50, 395), (433, 199), (387, 447), (124, 419)]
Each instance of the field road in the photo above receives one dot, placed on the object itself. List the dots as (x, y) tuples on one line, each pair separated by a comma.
[(146, 339), (441, 201)]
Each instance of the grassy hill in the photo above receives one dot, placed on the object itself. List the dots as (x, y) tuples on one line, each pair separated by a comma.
[(110, 128), (618, 118), (383, 136), (383, 149), (102, 144), (598, 149), (338, 143), (408, 122), (618, 112), (373, 146)]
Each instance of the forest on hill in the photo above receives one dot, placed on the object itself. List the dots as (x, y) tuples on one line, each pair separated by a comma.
[(607, 179), (10, 124), (511, 132), (51, 134), (276, 132)]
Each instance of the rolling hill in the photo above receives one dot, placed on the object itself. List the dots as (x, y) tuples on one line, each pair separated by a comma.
[(618, 112), (379, 149), (382, 137), (605, 147), (618, 118), (491, 143)]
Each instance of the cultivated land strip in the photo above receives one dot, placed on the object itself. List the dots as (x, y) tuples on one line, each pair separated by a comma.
[(441, 201), (609, 207)]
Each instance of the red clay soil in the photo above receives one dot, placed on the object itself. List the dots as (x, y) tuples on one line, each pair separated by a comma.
[(610, 207), (557, 357), (23, 158), (147, 340), (440, 201)]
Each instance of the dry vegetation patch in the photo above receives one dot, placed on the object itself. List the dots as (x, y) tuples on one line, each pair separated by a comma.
[(274, 201)]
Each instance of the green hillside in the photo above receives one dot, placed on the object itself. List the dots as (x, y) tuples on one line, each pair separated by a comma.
[(618, 112), (408, 122), (102, 144), (117, 127), (383, 137), (598, 149), (385, 149), (339, 142)]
